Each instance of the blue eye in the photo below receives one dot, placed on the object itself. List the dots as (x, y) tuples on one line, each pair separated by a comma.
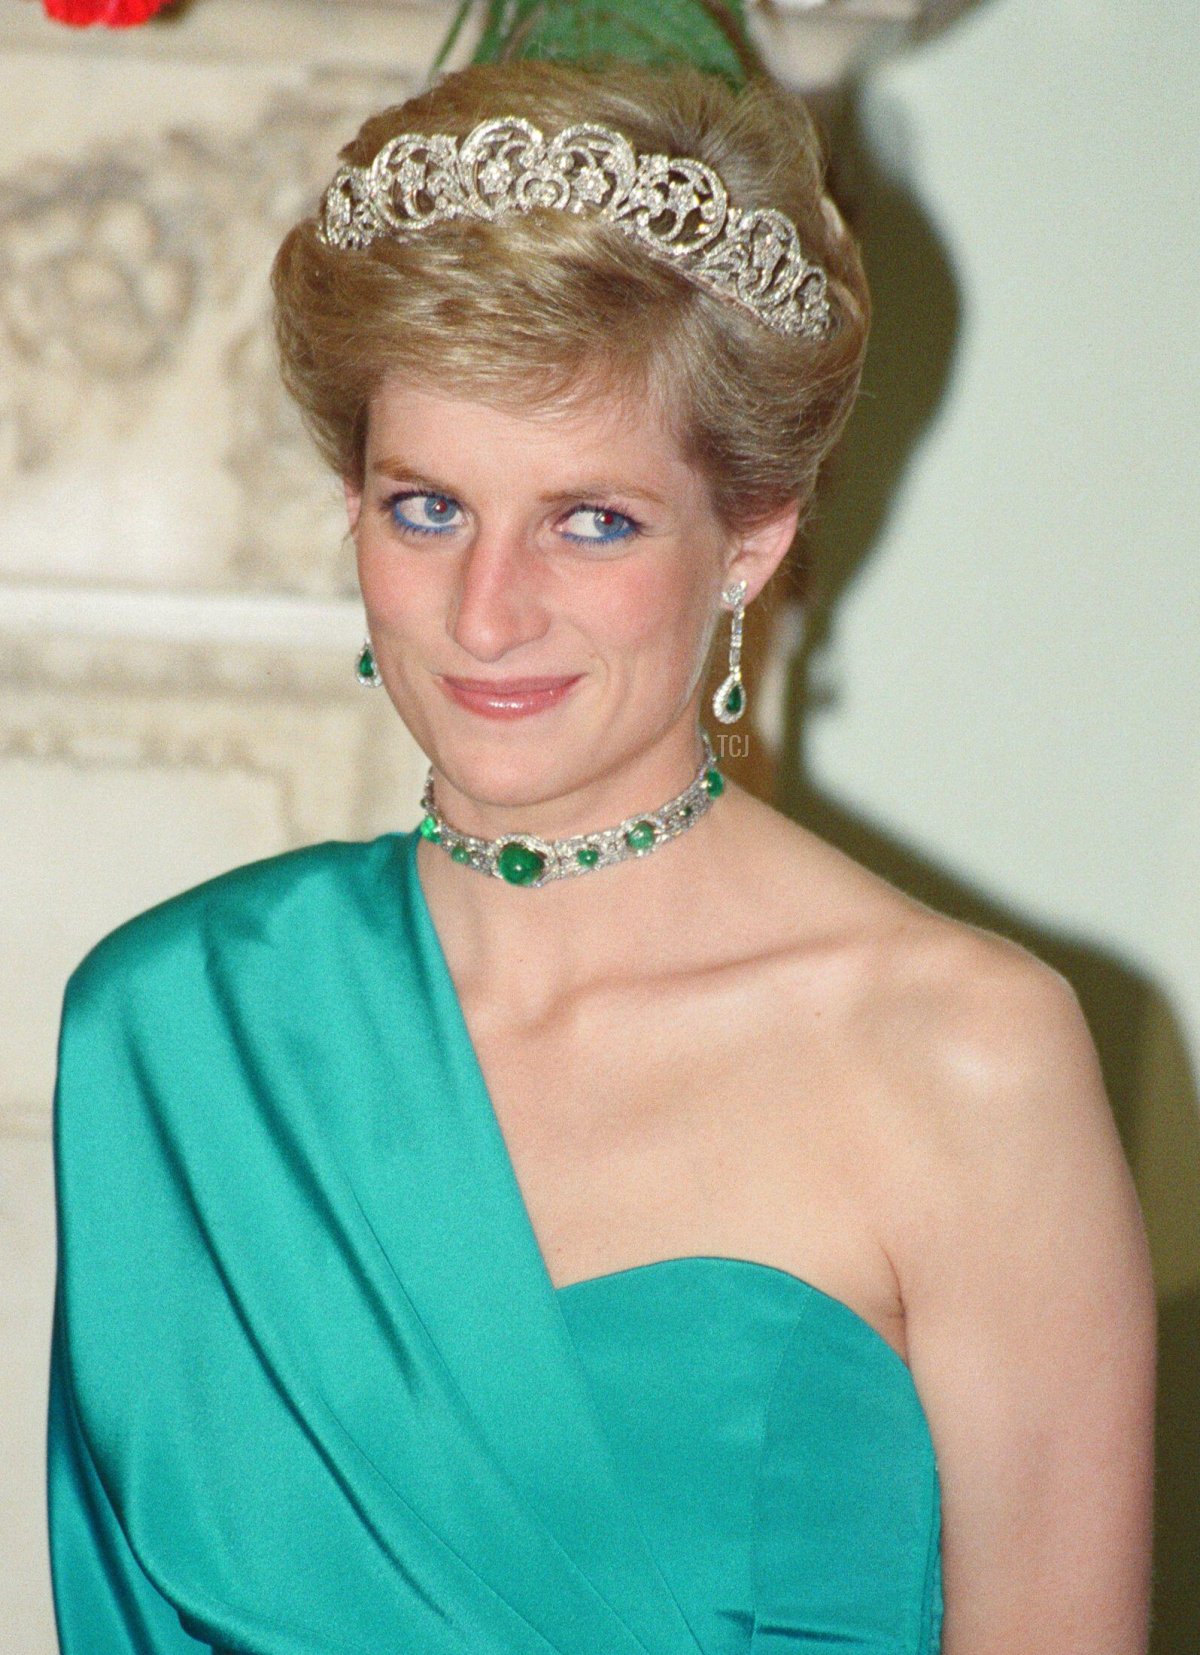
[(610, 525), (430, 513)]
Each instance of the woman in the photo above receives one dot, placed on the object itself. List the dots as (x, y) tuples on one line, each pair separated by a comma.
[(606, 1218)]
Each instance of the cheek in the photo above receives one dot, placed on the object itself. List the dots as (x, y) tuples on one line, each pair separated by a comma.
[(393, 589), (659, 609)]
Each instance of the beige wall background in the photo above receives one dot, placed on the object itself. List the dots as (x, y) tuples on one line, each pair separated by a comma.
[(995, 695)]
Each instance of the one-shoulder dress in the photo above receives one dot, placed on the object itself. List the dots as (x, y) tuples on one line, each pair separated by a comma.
[(312, 1391)]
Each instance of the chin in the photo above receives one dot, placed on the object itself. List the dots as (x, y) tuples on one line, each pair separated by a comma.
[(499, 773)]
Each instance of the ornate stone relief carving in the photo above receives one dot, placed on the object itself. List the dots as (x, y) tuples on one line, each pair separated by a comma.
[(121, 269), (99, 267), (336, 773)]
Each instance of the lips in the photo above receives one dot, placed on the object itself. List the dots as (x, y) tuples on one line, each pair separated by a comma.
[(503, 687), (508, 697)]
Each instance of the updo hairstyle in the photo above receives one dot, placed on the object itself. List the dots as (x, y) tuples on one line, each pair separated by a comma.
[(546, 308)]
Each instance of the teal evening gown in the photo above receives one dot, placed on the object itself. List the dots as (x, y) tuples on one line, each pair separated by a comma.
[(312, 1390)]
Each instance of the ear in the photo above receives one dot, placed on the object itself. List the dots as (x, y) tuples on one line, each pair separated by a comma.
[(353, 493), (758, 551)]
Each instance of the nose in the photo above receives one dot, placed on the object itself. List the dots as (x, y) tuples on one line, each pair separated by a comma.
[(496, 603)]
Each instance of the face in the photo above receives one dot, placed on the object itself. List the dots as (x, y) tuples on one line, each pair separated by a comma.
[(578, 551)]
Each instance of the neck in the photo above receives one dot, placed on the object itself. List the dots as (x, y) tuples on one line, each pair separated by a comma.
[(524, 950), (630, 788)]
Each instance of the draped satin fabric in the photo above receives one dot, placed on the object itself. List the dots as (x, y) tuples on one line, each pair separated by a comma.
[(312, 1391)]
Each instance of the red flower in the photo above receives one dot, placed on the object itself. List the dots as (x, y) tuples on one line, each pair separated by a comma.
[(114, 14)]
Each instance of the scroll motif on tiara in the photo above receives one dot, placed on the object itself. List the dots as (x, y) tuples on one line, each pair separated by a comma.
[(675, 207)]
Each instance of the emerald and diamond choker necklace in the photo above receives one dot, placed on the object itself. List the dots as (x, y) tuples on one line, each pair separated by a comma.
[(524, 859)]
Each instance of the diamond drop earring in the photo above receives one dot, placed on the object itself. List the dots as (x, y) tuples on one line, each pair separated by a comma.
[(729, 702), (365, 669)]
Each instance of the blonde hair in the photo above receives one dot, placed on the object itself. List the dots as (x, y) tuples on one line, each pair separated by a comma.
[(538, 309)]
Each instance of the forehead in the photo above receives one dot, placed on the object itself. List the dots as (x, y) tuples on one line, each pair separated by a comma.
[(595, 431)]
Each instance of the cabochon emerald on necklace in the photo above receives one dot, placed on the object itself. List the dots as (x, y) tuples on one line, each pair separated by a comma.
[(525, 859)]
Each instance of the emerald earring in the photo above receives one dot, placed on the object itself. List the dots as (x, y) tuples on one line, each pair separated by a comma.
[(729, 702), (365, 669)]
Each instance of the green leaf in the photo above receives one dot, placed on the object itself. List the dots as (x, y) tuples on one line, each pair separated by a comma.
[(656, 33), (451, 39)]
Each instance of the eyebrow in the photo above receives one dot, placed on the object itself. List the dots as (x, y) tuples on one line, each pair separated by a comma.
[(396, 467)]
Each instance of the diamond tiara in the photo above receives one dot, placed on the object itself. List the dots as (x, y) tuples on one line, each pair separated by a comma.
[(675, 207)]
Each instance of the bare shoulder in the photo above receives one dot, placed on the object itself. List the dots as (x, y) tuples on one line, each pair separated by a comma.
[(974, 1070), (1011, 1222), (980, 1037), (1010, 1217), (996, 1083), (978, 1097), (993, 1075), (913, 968), (968, 1030)]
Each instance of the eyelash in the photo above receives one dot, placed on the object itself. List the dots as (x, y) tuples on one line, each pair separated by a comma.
[(396, 500)]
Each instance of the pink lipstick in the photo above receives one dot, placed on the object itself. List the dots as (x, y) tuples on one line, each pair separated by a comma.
[(507, 697)]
